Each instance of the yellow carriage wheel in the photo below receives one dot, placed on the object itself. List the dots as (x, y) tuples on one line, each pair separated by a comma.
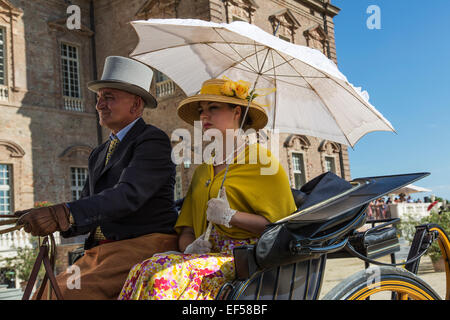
[(372, 281)]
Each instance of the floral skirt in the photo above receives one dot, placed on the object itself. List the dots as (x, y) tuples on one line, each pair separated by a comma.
[(174, 276)]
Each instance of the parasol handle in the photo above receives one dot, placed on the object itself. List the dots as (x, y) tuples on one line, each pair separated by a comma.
[(209, 227), (208, 231)]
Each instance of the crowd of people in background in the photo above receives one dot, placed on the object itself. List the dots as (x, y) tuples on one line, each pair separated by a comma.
[(379, 209)]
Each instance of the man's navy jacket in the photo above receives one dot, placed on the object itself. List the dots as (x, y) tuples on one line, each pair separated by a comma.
[(133, 194)]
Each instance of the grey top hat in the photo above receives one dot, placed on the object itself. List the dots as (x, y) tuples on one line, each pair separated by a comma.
[(128, 75)]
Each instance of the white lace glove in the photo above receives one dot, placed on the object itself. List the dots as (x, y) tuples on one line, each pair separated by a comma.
[(219, 211), (199, 246)]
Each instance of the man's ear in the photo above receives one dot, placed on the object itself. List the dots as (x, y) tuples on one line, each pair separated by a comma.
[(138, 105)]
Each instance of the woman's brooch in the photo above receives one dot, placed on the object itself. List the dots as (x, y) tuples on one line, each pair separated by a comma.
[(207, 182)]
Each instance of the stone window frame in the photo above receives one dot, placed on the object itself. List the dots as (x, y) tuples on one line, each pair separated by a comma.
[(292, 153), (5, 88), (72, 103), (249, 6), (10, 187), (12, 154), (73, 38), (310, 35), (77, 188), (75, 156), (296, 143), (330, 149), (77, 89), (292, 24), (4, 30), (73, 161), (334, 163), (9, 16), (165, 7)]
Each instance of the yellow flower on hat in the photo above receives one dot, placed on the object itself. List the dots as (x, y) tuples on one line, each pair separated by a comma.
[(228, 88), (242, 88)]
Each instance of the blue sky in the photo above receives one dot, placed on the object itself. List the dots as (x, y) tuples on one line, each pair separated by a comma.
[(405, 67)]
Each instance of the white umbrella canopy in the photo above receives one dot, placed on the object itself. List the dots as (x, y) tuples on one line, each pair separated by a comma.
[(411, 189), (312, 96)]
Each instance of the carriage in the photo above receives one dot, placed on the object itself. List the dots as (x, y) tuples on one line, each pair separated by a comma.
[(288, 261)]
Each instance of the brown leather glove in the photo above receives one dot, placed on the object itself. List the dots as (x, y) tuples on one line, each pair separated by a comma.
[(20, 213), (46, 220)]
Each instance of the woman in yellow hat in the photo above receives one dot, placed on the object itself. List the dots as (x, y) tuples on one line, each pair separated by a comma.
[(247, 203)]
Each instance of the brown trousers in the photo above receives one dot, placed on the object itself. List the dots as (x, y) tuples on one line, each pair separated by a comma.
[(104, 268)]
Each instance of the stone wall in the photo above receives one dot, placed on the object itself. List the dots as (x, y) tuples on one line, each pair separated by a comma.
[(301, 21), (41, 140), (33, 116)]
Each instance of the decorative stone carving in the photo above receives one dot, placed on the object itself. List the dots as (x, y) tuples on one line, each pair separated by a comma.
[(316, 38), (8, 8), (285, 23), (15, 151), (164, 7), (297, 142), (329, 147), (241, 9), (79, 152), (60, 24)]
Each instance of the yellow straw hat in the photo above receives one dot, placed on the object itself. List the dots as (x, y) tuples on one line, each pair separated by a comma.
[(223, 91)]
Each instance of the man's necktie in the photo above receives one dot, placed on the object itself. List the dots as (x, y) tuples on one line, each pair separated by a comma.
[(112, 146), (98, 236)]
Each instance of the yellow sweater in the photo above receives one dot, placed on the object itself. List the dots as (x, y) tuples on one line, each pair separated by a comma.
[(268, 195)]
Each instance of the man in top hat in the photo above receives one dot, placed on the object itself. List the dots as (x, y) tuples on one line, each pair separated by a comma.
[(127, 202)]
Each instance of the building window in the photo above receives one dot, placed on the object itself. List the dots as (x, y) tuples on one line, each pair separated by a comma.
[(299, 170), (3, 77), (5, 189), (71, 77), (164, 86), (330, 164), (78, 177), (2, 56)]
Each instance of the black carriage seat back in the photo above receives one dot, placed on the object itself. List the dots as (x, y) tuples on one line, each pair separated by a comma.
[(274, 269), (273, 247), (325, 226), (309, 235), (297, 281)]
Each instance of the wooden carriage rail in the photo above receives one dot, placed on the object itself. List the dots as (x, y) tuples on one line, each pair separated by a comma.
[(46, 256), (11, 219)]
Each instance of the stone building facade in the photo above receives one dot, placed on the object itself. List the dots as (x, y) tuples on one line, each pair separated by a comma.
[(49, 125)]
